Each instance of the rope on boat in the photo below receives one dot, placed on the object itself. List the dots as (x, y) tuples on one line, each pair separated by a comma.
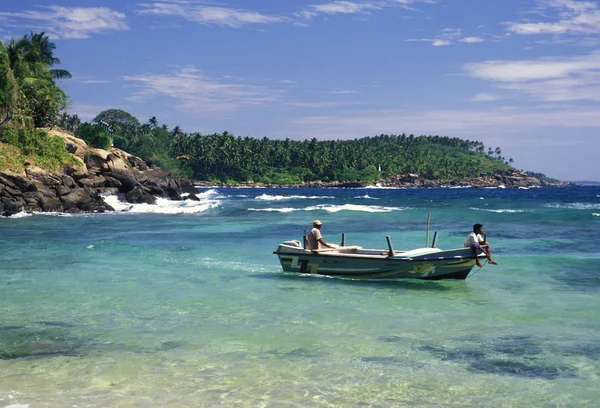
[(484, 262)]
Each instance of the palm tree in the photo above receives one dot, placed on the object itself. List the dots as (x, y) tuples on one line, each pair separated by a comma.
[(38, 48), (8, 88)]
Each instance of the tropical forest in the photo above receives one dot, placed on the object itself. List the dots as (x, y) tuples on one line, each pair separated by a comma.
[(32, 101)]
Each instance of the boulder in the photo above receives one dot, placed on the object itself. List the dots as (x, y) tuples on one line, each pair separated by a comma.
[(75, 199), (126, 178), (95, 181), (51, 204), (112, 182), (13, 205), (140, 196)]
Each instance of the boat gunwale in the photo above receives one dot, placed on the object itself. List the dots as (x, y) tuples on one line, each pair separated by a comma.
[(381, 256)]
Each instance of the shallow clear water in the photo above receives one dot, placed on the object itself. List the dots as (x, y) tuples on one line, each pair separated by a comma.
[(184, 304)]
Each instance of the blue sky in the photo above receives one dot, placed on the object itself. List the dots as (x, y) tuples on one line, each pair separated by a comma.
[(523, 75)]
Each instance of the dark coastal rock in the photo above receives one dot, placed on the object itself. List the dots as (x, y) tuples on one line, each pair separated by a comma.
[(12, 205), (62, 190), (75, 198), (92, 182), (352, 184), (140, 196), (79, 187), (138, 163), (112, 182), (51, 204), (127, 179)]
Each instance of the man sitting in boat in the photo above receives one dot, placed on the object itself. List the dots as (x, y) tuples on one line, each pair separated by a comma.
[(314, 238), (476, 240)]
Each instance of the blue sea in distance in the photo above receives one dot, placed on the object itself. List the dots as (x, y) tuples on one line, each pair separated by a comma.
[(183, 304)]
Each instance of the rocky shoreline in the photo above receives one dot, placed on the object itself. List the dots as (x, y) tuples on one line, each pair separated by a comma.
[(80, 187), (515, 179)]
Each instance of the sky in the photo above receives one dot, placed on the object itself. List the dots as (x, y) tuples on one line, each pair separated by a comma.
[(522, 75)]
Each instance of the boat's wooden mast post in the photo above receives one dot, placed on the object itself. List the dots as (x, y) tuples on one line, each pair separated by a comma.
[(390, 246), (427, 234)]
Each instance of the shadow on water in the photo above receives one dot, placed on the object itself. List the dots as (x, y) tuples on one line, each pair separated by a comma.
[(52, 339), (518, 356), (581, 275), (404, 284), (42, 340)]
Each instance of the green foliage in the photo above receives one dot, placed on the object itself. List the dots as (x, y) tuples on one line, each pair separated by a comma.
[(223, 156), (94, 135), (541, 176), (117, 118), (39, 100), (46, 151), (45, 101), (8, 88)]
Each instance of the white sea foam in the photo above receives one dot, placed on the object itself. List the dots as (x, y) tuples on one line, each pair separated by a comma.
[(596, 214), (367, 197), (21, 214), (268, 197), (207, 193), (282, 210), (333, 208), (385, 187), (499, 211), (355, 207), (164, 206), (576, 206)]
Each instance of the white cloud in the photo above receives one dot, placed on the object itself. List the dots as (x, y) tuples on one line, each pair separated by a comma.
[(440, 43), (355, 7), (471, 40), (549, 79), (571, 17), (204, 14), (484, 97), (68, 22), (466, 122), (200, 93), (342, 92), (450, 36)]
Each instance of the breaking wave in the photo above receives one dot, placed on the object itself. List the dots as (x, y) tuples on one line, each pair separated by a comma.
[(334, 208)]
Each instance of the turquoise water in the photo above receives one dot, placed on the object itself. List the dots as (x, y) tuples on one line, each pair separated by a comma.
[(184, 304)]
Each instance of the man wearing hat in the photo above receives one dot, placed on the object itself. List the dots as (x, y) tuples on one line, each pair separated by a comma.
[(314, 237)]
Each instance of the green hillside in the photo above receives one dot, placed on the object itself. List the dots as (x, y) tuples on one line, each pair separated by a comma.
[(31, 99)]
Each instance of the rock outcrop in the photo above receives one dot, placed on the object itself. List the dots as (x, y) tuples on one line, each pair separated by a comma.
[(80, 187)]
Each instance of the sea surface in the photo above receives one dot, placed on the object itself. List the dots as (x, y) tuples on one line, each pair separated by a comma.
[(183, 304)]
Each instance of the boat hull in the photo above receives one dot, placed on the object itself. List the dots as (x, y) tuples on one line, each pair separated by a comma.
[(376, 264)]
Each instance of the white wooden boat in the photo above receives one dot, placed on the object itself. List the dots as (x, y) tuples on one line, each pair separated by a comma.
[(357, 262)]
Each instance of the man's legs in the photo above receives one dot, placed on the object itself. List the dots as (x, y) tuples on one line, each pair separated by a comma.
[(488, 252), (476, 248)]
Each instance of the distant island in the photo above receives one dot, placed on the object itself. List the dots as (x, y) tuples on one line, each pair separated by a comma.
[(586, 183), (52, 161)]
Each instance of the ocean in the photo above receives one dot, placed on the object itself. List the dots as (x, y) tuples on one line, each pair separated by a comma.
[(184, 304)]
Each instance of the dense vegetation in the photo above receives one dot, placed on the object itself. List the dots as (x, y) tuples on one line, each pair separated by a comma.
[(31, 99)]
